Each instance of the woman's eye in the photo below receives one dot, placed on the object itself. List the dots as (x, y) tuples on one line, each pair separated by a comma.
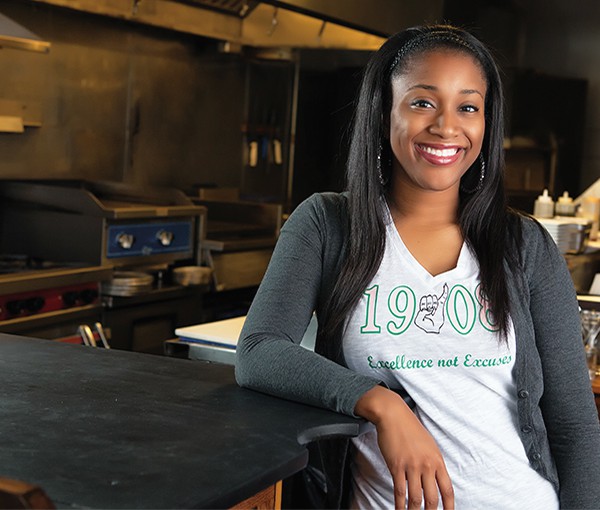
[(421, 103), (469, 108)]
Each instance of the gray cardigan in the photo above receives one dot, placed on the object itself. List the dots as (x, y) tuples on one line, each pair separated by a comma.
[(558, 421)]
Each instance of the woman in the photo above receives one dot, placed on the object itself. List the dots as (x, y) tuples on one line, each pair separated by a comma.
[(426, 286)]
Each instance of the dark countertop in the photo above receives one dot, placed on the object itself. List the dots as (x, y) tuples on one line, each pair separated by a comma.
[(115, 429)]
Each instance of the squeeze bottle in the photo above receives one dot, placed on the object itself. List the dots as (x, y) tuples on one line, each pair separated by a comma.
[(543, 206), (565, 206)]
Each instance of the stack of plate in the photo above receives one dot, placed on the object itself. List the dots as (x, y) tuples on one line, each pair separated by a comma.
[(128, 283), (569, 234)]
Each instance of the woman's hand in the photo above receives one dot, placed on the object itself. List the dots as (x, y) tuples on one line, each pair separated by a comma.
[(411, 454)]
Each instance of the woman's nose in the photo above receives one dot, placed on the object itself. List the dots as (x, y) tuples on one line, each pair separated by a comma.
[(445, 124)]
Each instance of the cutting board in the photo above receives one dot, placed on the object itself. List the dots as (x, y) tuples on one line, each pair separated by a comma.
[(223, 333)]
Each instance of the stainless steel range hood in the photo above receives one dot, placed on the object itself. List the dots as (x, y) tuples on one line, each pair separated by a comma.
[(13, 35), (323, 24)]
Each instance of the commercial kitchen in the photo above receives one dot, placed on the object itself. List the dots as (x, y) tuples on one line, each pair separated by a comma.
[(151, 152)]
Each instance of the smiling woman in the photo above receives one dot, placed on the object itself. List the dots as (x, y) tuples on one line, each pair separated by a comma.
[(436, 134), (446, 319)]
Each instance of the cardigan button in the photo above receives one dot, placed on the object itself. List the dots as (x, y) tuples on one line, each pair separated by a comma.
[(536, 456), (523, 394), (526, 428)]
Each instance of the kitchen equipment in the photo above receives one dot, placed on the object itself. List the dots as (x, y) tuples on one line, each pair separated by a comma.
[(590, 209), (48, 299), (192, 275), (13, 35), (102, 335), (128, 283), (240, 237), (100, 222), (139, 232), (86, 334)]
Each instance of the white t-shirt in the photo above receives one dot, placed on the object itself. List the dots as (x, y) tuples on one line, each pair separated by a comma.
[(432, 336)]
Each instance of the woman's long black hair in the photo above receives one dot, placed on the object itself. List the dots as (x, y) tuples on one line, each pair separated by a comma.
[(483, 216)]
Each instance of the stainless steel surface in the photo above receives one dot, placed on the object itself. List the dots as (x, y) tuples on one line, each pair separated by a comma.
[(583, 268), (155, 81), (239, 240), (381, 17), (359, 26), (102, 334), (197, 351), (87, 336), (239, 269), (239, 8), (232, 225), (13, 35), (115, 200), (580, 236)]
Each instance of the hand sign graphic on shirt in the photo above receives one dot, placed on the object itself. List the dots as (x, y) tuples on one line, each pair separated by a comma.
[(430, 317)]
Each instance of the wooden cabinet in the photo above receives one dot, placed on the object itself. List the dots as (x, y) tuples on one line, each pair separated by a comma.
[(268, 499)]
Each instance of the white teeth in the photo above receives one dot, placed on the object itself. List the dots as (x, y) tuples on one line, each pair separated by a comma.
[(440, 153)]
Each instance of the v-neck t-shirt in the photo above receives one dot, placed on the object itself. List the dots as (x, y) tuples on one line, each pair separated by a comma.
[(432, 335)]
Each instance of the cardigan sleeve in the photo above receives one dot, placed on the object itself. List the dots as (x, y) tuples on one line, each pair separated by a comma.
[(567, 402), (269, 357)]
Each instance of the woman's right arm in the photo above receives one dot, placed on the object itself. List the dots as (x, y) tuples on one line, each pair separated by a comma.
[(269, 356), (411, 454)]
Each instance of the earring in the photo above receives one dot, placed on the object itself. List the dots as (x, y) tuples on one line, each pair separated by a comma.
[(382, 178), (481, 177)]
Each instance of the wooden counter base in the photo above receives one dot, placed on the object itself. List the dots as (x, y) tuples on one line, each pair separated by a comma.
[(268, 499)]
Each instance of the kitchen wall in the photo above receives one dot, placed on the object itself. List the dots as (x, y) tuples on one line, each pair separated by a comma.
[(129, 102), (563, 39), (121, 102)]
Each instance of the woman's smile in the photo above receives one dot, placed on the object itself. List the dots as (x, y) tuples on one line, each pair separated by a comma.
[(439, 154)]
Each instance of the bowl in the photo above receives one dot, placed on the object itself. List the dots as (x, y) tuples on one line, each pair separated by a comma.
[(192, 275)]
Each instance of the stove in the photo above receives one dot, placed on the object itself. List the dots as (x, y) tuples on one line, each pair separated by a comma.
[(48, 299), (99, 222)]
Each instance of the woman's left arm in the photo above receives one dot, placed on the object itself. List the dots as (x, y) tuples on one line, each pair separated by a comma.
[(567, 402)]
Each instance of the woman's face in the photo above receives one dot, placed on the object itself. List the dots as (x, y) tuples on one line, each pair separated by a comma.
[(437, 120)]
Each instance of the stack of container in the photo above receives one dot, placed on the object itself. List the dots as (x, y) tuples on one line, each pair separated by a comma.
[(568, 232)]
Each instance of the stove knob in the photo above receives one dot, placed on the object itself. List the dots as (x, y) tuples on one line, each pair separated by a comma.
[(88, 296), (125, 241), (35, 304), (70, 298), (15, 307), (165, 238)]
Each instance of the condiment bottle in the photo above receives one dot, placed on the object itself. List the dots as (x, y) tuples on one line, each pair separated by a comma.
[(565, 205), (543, 206)]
